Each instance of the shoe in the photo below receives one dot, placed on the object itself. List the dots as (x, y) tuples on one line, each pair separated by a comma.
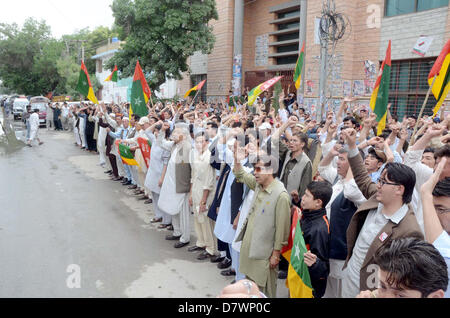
[(109, 171), (170, 227), (156, 220), (144, 197), (40, 143), (172, 237), (282, 275), (233, 281), (116, 179), (180, 244), (148, 201), (204, 256), (163, 226), (138, 191), (224, 264), (125, 182), (29, 145), (217, 259), (195, 248), (228, 272), (131, 187)]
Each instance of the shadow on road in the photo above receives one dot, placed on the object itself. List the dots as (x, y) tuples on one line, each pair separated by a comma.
[(8, 140)]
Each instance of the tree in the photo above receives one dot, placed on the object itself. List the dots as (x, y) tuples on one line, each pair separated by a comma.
[(162, 35), (27, 57)]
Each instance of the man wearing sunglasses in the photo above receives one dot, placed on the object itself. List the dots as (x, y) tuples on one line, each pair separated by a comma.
[(385, 216), (266, 229)]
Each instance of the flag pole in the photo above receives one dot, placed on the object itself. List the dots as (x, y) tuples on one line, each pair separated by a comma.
[(193, 100), (413, 137)]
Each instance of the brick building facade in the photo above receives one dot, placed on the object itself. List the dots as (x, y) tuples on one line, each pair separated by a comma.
[(271, 45)]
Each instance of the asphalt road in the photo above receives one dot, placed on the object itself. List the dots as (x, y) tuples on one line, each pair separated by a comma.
[(66, 230)]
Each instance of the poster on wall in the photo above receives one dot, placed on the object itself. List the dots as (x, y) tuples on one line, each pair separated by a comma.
[(358, 88), (310, 87), (368, 86), (422, 45), (262, 50), (346, 88)]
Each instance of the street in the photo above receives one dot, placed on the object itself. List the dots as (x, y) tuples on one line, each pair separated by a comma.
[(61, 215)]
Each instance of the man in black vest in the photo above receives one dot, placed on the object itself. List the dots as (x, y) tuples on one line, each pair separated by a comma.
[(343, 204)]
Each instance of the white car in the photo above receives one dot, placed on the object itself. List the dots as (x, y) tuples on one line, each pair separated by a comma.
[(19, 106)]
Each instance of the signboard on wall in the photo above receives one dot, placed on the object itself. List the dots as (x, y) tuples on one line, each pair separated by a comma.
[(262, 50)]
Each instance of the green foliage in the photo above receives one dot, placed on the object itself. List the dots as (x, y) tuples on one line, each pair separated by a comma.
[(34, 63), (24, 57), (162, 35)]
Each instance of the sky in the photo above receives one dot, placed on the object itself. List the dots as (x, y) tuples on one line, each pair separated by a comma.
[(63, 16)]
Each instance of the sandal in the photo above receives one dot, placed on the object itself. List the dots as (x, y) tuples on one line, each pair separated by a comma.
[(156, 220), (163, 226)]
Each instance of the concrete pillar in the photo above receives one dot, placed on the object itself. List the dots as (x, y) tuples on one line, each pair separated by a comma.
[(237, 46)]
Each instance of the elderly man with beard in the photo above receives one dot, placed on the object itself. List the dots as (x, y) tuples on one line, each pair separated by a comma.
[(174, 196)]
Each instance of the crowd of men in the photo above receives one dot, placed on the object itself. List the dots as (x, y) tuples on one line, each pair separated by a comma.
[(374, 208)]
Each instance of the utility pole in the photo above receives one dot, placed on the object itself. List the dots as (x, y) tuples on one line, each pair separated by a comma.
[(237, 46), (302, 40), (323, 67)]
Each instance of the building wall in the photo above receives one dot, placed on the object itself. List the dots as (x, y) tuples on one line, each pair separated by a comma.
[(364, 44), (404, 30), (221, 58)]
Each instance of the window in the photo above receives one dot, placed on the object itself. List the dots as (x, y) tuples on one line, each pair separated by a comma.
[(287, 37), (409, 85), (398, 7), (289, 25), (287, 60), (289, 14), (287, 48)]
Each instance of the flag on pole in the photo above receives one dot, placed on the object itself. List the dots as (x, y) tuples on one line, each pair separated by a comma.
[(140, 93), (380, 94), (113, 76), (299, 67), (84, 85), (441, 70), (298, 279), (126, 155), (254, 93), (194, 89)]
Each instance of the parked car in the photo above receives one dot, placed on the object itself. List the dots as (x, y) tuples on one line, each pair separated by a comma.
[(41, 103), (19, 106)]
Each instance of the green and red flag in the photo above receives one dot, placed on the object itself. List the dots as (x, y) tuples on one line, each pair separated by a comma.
[(140, 93), (194, 89), (299, 67), (113, 76), (84, 85), (254, 93), (380, 94), (298, 279), (146, 147), (440, 69), (126, 155)]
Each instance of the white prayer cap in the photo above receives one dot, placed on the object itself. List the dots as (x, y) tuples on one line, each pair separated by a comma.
[(265, 126), (143, 120)]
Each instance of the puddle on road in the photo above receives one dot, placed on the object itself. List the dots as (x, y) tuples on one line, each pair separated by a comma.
[(177, 278), (8, 140)]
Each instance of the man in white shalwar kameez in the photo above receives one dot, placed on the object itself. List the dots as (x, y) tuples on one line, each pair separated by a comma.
[(34, 127), (203, 184), (170, 201)]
